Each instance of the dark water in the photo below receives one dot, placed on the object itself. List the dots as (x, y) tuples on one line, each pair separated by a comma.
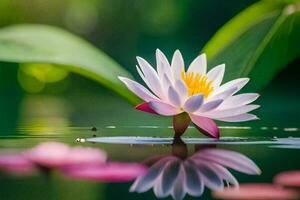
[(272, 154), (272, 143), (263, 151)]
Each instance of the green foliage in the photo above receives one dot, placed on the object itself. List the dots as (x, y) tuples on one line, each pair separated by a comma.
[(46, 44), (258, 42)]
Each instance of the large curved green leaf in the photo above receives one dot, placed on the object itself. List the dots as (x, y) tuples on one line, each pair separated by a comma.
[(46, 44), (258, 42)]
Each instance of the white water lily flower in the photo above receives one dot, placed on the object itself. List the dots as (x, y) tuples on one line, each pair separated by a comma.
[(193, 95)]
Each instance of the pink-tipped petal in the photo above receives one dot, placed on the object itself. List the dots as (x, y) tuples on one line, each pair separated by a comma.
[(206, 126), (258, 191), (288, 178), (110, 172), (163, 108), (146, 108)]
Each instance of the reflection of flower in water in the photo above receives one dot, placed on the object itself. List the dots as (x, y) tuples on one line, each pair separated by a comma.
[(177, 175)]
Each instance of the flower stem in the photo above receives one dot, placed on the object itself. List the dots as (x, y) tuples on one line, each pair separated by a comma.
[(181, 123)]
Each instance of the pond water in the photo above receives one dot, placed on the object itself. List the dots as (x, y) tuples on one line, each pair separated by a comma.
[(253, 152)]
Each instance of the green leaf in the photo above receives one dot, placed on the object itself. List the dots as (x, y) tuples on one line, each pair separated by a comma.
[(258, 42), (46, 44)]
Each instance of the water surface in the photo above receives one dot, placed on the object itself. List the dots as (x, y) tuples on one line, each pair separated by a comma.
[(130, 136)]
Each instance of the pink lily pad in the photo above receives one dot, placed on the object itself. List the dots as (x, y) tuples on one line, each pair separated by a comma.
[(289, 178), (85, 155), (110, 172), (55, 154), (257, 191), (16, 164)]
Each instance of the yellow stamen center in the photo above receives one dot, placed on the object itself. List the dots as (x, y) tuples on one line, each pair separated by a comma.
[(197, 83)]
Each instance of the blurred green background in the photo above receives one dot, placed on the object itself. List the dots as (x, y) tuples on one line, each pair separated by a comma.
[(122, 29)]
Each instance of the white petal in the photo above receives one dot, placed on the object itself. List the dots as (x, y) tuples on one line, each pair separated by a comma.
[(198, 65), (216, 75), (177, 65), (174, 97), (151, 77), (163, 65), (182, 89), (239, 118), (211, 105), (236, 83), (224, 95), (217, 114), (166, 83), (239, 100), (138, 89), (163, 108), (140, 73), (193, 103)]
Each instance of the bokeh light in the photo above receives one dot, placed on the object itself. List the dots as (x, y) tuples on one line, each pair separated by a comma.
[(34, 77)]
